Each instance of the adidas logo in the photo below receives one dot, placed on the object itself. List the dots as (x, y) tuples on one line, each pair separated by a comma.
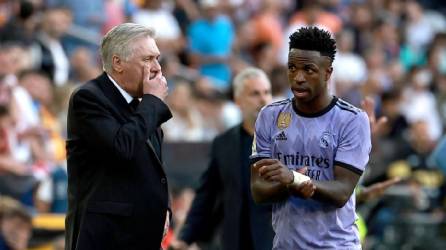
[(281, 136)]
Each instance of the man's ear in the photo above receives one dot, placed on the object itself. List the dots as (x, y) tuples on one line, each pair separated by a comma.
[(328, 73), (117, 64)]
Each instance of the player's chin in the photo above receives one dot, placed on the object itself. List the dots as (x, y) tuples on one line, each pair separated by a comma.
[(305, 98)]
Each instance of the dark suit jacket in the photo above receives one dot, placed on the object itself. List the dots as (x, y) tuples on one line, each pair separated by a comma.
[(221, 190), (117, 188)]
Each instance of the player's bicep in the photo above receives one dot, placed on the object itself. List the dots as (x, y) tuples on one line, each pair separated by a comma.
[(355, 145), (348, 177)]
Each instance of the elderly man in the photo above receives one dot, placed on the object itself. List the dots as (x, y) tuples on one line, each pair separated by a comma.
[(117, 188)]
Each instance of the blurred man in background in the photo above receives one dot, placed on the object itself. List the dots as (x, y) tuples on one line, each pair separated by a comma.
[(225, 185)]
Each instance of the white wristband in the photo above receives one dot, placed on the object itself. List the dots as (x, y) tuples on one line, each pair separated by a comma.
[(298, 179)]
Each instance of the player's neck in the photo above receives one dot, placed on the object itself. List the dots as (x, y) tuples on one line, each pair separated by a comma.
[(314, 106)]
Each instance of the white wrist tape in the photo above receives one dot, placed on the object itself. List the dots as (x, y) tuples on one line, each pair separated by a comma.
[(298, 178)]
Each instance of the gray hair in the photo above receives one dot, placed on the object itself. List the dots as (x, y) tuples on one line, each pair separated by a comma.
[(239, 81), (118, 41)]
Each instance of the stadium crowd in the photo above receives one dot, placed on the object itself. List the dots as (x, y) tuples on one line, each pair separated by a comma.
[(391, 51)]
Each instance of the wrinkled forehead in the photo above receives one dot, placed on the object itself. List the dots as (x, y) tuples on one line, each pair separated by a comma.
[(145, 45), (310, 56)]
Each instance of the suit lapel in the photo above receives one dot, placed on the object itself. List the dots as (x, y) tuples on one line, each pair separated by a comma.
[(113, 94), (149, 143), (121, 105)]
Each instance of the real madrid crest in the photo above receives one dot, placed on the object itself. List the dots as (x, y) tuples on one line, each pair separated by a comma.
[(284, 120), (325, 140)]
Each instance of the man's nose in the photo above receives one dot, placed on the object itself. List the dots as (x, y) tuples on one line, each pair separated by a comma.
[(265, 99), (156, 66), (299, 77)]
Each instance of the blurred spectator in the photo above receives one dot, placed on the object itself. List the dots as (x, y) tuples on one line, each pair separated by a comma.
[(83, 66), (279, 83), (413, 51), (41, 90), (48, 54), (51, 195), (8, 164), (219, 113), (19, 102), (421, 145), (115, 13), (396, 73), (361, 23), (436, 55), (168, 33), (175, 71), (15, 176), (391, 107), (267, 25), (211, 53), (439, 155), (187, 122), (15, 225), (7, 8), (440, 85), (393, 12), (385, 35), (419, 103), (349, 69), (311, 14), (185, 11), (417, 23), (21, 27), (375, 59), (88, 21)]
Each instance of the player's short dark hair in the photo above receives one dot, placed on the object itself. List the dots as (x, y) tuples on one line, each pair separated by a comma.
[(312, 38)]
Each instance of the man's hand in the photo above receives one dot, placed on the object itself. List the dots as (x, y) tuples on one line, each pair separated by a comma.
[(306, 189), (154, 84), (376, 190), (376, 127), (274, 170)]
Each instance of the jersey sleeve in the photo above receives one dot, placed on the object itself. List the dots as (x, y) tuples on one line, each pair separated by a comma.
[(355, 144), (261, 144)]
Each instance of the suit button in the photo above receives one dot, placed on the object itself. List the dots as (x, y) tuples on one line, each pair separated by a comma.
[(163, 180)]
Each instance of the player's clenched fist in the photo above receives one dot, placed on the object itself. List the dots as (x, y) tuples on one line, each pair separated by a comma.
[(296, 181), (274, 170)]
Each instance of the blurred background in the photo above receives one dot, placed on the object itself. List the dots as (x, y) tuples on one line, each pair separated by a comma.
[(392, 51)]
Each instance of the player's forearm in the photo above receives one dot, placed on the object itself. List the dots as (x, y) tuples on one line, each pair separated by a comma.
[(332, 192), (268, 192)]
